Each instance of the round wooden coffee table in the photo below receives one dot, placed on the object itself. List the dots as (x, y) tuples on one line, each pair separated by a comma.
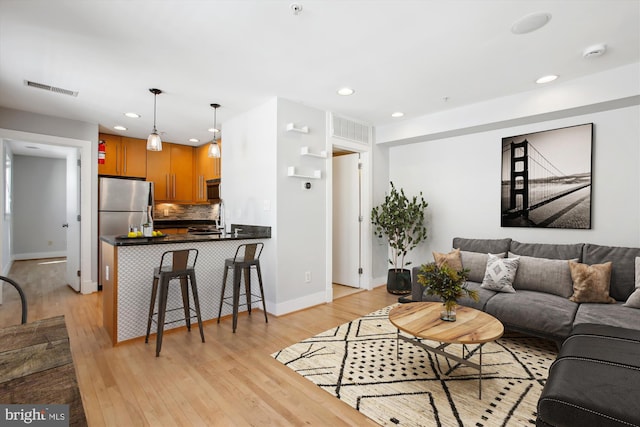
[(422, 320)]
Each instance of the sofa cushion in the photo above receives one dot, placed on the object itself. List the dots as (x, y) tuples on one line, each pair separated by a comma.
[(500, 273), (452, 259), (544, 275), (483, 296), (486, 246), (623, 272), (594, 380), (608, 314), (634, 298), (591, 282), (547, 250), (537, 312), (476, 263)]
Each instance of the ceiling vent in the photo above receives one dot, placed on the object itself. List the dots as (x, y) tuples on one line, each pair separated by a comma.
[(349, 130), (51, 88)]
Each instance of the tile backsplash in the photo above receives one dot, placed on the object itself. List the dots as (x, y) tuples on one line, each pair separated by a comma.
[(173, 211)]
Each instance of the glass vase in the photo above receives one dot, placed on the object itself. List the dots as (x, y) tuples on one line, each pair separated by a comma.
[(448, 313)]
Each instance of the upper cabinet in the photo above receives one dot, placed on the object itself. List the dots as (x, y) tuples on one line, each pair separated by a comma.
[(123, 156), (206, 168), (171, 171)]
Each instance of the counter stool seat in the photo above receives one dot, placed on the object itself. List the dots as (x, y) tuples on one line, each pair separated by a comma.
[(176, 264), (247, 257)]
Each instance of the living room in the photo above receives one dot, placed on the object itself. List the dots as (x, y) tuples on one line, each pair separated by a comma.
[(453, 156)]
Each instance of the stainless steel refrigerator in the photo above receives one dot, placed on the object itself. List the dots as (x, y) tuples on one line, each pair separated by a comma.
[(122, 202)]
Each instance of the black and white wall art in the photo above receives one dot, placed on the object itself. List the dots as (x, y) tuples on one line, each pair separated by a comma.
[(546, 178)]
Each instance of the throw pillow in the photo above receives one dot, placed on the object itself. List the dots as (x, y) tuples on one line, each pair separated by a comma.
[(500, 273), (452, 259), (551, 276), (634, 299), (476, 263), (591, 282)]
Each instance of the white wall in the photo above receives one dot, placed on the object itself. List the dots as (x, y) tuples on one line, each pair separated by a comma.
[(256, 151), (39, 207), (248, 181), (460, 178), (301, 213)]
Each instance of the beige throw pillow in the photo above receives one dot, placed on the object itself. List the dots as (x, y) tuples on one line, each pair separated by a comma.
[(591, 282), (452, 259)]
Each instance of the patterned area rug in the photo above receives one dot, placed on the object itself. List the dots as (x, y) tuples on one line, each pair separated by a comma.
[(356, 362)]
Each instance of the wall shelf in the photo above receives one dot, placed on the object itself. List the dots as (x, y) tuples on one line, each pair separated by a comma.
[(304, 151), (292, 128), (291, 171)]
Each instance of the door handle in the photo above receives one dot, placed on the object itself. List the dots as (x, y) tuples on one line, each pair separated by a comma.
[(65, 225)]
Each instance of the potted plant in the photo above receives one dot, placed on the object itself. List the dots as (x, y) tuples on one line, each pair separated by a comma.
[(448, 284), (401, 221)]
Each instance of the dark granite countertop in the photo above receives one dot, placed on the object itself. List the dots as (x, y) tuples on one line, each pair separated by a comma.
[(247, 232)]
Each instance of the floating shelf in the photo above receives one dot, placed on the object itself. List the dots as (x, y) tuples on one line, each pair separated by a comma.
[(291, 171), (292, 128), (304, 151)]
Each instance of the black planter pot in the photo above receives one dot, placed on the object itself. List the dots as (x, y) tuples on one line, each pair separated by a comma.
[(399, 281)]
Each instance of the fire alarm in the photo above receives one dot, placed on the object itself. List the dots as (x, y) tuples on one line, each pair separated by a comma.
[(595, 50), (296, 8)]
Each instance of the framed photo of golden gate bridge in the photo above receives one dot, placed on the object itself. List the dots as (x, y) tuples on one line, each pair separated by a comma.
[(546, 178)]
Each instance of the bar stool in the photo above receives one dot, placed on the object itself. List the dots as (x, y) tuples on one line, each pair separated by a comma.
[(177, 264), (247, 256)]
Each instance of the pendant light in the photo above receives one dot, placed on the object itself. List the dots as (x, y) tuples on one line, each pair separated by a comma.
[(154, 143), (214, 148)]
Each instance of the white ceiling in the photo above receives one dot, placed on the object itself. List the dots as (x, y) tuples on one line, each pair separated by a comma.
[(412, 56)]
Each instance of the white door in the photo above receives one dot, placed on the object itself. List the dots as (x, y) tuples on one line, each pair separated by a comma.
[(346, 224), (73, 224)]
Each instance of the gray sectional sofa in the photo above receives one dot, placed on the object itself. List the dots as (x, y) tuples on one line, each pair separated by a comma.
[(595, 380), (541, 306)]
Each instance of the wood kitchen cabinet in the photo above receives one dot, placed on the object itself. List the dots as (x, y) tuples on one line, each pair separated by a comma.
[(171, 171), (123, 156), (206, 168)]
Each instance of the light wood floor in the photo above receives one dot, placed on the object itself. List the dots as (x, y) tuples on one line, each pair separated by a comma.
[(230, 380)]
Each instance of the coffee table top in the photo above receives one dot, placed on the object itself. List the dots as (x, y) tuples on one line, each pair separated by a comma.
[(422, 320)]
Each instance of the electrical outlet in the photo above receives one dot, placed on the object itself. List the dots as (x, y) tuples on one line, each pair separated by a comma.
[(307, 276), (166, 212)]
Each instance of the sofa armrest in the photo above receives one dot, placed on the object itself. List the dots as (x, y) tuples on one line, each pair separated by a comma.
[(416, 288)]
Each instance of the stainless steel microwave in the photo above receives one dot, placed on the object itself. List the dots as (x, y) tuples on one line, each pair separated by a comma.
[(213, 190)]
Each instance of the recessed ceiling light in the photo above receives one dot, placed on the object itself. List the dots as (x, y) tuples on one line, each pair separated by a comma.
[(546, 79), (530, 23), (346, 91), (213, 130), (118, 127), (132, 115), (194, 140), (397, 114)]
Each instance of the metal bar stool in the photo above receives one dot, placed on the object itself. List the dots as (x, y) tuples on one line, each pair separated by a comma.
[(182, 267), (23, 298), (247, 256)]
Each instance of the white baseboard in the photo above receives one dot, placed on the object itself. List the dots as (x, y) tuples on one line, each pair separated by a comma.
[(296, 304), (40, 255)]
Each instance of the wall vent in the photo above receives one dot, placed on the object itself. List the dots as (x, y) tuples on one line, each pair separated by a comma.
[(50, 88), (349, 129)]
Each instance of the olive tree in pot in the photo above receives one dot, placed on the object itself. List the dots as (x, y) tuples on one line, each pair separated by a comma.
[(401, 221)]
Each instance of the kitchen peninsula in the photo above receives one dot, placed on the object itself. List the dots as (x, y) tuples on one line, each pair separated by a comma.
[(127, 274)]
